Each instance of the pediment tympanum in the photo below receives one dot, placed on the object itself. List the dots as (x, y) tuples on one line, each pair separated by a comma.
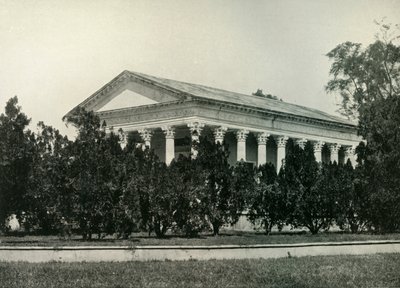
[(126, 99)]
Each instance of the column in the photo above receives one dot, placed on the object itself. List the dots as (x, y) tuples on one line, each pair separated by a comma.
[(349, 153), (219, 134), (262, 139), (145, 134), (241, 137), (169, 144), (334, 152), (301, 142), (195, 131), (318, 150), (281, 151), (123, 139)]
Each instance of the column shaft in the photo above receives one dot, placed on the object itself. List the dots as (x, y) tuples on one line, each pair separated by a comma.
[(146, 134), (334, 152), (318, 151), (349, 154), (281, 151), (169, 144), (219, 134), (195, 130), (262, 148), (241, 136), (122, 138)]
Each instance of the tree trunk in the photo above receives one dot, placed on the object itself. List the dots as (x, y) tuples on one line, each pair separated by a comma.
[(267, 227), (216, 226)]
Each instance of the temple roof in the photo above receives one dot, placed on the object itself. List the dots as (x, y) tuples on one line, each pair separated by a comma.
[(258, 102), (210, 94)]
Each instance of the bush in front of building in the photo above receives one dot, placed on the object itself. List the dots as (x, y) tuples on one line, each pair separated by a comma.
[(266, 205), (96, 187)]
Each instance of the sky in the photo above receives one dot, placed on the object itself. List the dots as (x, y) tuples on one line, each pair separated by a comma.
[(55, 54)]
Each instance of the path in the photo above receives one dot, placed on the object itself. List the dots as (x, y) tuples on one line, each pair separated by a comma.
[(147, 253)]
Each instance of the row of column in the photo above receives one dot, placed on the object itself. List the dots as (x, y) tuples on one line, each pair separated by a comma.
[(241, 136)]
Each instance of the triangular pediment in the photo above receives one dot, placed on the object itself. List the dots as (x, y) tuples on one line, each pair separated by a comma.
[(129, 90), (126, 99)]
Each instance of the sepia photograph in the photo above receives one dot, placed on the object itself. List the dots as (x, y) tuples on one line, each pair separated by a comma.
[(208, 143)]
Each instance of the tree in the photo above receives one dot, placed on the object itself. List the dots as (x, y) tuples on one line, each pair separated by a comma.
[(49, 196), (260, 93), (16, 155), (365, 77), (308, 189), (189, 182), (94, 174), (350, 199), (243, 183), (368, 80), (266, 202), (219, 202)]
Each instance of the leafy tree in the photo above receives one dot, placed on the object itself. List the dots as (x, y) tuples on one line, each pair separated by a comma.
[(352, 204), (266, 202), (368, 80), (308, 189), (189, 188), (150, 190), (94, 174), (49, 196), (16, 154), (218, 199), (365, 76), (260, 93), (126, 214)]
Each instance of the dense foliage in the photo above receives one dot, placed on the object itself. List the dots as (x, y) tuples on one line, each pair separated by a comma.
[(16, 157), (368, 80)]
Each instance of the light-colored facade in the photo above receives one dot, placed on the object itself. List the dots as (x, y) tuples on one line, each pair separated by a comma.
[(166, 115)]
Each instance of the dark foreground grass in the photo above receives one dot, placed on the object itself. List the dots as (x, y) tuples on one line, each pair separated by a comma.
[(226, 238), (380, 270)]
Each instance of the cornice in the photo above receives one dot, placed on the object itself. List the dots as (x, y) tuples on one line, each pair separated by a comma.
[(230, 106), (292, 117)]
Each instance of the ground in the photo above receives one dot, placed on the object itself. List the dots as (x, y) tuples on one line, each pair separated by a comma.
[(379, 270), (226, 238)]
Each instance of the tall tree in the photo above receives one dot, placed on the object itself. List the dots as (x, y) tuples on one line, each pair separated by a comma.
[(16, 154), (49, 196), (266, 202), (189, 182), (94, 173), (307, 189), (368, 80), (352, 202), (222, 202)]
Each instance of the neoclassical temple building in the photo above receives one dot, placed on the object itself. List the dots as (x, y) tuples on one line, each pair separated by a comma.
[(167, 115)]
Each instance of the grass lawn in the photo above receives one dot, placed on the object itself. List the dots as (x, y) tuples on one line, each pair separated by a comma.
[(226, 238), (379, 270)]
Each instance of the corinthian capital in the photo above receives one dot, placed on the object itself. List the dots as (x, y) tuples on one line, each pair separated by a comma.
[(334, 148), (145, 134), (281, 141), (196, 127), (241, 135), (219, 134), (318, 146), (349, 151), (169, 132), (301, 142), (262, 138)]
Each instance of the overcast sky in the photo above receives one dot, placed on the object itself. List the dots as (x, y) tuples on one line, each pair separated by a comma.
[(54, 54)]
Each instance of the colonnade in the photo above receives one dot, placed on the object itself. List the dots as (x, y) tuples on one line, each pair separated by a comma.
[(196, 128)]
